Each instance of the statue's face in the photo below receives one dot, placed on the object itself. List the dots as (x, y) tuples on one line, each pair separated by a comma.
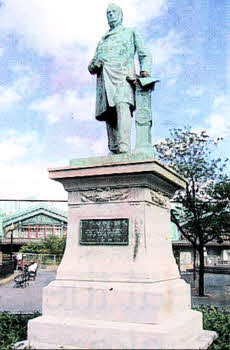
[(112, 16)]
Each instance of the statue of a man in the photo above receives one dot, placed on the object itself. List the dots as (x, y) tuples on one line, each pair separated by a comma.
[(114, 65)]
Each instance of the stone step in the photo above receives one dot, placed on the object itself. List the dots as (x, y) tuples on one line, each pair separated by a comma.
[(184, 328), (200, 341)]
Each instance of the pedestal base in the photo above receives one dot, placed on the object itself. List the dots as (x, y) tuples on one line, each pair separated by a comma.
[(147, 303), (118, 285), (183, 331)]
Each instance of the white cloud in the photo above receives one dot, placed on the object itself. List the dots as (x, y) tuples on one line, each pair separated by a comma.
[(171, 74), (27, 82), (219, 125), (68, 104), (172, 81), (8, 97), (100, 146), (69, 31), (219, 119), (221, 101), (138, 12), (22, 181), (196, 91), (166, 53), (78, 141), (10, 151), (70, 68), (192, 112), (23, 172), (166, 48), (14, 146), (24, 84), (48, 26), (88, 147)]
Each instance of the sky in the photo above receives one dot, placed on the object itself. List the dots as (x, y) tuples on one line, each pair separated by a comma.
[(47, 96)]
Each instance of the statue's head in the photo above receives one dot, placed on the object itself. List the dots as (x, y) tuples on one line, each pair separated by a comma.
[(114, 15)]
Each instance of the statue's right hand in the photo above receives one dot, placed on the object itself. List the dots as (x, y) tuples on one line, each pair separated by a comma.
[(98, 64), (95, 67)]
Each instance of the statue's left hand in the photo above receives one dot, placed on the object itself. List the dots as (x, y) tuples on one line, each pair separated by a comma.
[(144, 74)]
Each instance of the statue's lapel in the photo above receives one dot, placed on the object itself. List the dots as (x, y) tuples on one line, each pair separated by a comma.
[(112, 32)]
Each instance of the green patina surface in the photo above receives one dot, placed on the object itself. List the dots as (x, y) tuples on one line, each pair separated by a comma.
[(116, 51), (118, 91), (1, 226), (175, 233), (143, 117), (115, 158), (104, 232)]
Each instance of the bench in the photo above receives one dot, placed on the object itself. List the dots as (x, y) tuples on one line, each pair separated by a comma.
[(32, 274), (21, 280)]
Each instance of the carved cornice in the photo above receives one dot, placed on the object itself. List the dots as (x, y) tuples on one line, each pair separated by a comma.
[(104, 195), (160, 200)]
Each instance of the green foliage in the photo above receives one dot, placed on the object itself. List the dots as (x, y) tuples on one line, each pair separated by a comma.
[(202, 211), (191, 154), (218, 321), (13, 328), (50, 245)]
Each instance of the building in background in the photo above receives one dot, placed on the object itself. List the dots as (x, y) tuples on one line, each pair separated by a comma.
[(214, 253), (22, 221), (33, 223)]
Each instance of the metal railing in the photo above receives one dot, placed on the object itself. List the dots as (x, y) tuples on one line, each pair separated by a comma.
[(43, 259)]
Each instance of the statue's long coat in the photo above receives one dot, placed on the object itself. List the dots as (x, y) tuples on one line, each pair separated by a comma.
[(117, 49)]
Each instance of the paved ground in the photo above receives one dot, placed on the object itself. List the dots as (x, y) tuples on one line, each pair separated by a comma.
[(27, 299), (30, 299), (217, 288)]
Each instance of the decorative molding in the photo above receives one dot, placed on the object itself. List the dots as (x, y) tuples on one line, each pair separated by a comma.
[(160, 200), (41, 220), (103, 195), (135, 204), (75, 206)]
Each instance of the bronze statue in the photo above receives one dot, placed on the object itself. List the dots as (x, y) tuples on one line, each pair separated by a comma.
[(114, 65)]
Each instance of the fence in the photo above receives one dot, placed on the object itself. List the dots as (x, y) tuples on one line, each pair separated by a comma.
[(43, 259)]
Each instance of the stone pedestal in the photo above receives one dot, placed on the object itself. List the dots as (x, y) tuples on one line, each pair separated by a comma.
[(118, 286)]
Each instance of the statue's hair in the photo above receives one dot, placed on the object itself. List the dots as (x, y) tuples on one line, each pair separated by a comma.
[(117, 8)]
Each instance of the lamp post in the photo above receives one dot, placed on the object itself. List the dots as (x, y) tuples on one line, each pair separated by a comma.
[(11, 240)]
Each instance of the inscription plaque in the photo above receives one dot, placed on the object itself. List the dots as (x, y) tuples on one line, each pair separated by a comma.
[(104, 232)]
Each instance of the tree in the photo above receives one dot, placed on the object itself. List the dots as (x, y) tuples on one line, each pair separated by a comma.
[(50, 245), (202, 210)]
